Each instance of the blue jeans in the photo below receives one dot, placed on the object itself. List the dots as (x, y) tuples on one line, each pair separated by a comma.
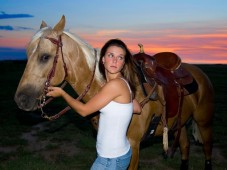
[(118, 163)]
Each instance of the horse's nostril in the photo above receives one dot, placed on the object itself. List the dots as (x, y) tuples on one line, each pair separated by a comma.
[(26, 97), (23, 100)]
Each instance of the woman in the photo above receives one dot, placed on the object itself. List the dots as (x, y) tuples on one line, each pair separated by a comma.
[(115, 103)]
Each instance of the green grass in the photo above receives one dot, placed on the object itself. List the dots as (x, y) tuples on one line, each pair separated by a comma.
[(69, 142)]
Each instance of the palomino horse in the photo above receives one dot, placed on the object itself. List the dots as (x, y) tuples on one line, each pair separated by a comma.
[(55, 55)]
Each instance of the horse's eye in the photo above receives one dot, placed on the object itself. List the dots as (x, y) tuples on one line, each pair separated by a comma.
[(44, 58)]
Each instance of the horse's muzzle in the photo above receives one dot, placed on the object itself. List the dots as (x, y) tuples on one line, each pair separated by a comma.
[(26, 98)]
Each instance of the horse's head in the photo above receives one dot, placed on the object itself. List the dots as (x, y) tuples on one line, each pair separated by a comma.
[(43, 51)]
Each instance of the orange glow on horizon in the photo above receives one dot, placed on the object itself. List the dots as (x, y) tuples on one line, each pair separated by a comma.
[(193, 50), (14, 43)]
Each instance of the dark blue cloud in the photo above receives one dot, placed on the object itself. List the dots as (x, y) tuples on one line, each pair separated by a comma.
[(7, 27), (23, 28), (3, 15), (11, 28)]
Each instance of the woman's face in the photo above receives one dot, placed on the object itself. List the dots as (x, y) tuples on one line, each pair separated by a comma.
[(114, 59)]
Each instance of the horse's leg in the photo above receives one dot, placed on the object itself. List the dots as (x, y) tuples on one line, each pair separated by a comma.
[(184, 148), (203, 118), (206, 134), (134, 163)]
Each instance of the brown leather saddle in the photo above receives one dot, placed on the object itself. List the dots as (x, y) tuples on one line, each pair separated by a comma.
[(165, 69)]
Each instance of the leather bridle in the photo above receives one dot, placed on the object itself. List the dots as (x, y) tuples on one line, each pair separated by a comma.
[(51, 74)]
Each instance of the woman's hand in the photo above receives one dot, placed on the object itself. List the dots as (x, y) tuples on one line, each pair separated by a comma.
[(54, 92)]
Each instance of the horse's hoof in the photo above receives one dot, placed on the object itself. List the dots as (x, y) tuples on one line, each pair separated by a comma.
[(208, 165), (184, 165), (165, 155)]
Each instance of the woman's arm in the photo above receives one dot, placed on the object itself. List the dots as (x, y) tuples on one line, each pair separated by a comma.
[(108, 93)]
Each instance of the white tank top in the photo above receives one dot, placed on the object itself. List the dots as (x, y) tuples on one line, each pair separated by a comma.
[(113, 125)]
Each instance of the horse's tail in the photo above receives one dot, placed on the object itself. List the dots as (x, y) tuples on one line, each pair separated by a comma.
[(196, 133)]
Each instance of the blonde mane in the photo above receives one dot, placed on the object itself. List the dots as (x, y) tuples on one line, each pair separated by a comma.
[(88, 50), (34, 39)]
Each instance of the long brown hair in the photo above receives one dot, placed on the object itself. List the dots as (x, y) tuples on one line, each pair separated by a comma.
[(129, 69)]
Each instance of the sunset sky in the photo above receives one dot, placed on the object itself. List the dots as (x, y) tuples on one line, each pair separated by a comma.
[(196, 30)]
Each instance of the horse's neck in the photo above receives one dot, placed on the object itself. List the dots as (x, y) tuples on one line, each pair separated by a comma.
[(86, 84), (80, 73), (81, 81)]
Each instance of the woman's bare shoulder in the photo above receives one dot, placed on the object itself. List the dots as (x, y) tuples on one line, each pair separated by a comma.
[(118, 81), (116, 84)]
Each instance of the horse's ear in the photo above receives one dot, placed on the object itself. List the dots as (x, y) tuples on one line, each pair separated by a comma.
[(59, 27), (43, 24)]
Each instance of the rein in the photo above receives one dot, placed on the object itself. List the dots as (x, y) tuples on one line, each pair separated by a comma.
[(42, 100), (51, 74)]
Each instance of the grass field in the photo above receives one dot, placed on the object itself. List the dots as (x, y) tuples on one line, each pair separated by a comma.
[(27, 142)]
